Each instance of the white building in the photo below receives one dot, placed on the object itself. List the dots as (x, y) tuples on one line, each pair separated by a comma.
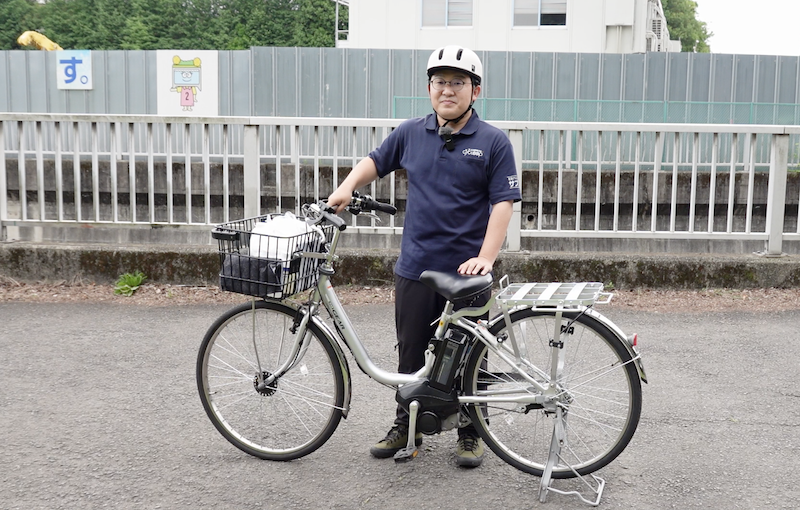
[(580, 26)]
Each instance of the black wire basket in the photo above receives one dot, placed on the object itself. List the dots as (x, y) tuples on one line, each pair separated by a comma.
[(263, 265)]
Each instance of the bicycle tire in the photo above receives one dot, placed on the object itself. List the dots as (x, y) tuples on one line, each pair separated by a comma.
[(292, 417), (600, 385)]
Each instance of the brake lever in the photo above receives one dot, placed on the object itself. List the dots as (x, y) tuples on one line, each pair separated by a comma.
[(313, 212), (358, 211), (372, 215)]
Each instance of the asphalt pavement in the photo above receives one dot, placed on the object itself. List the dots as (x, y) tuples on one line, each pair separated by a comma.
[(99, 409)]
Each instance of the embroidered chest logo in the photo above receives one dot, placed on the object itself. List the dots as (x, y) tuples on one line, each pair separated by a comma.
[(473, 152), (513, 182)]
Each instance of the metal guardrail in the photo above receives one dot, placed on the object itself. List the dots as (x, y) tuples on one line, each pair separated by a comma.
[(590, 180)]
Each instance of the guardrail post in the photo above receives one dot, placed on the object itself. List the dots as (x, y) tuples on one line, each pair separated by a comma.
[(252, 173), (515, 226), (776, 194), (3, 190)]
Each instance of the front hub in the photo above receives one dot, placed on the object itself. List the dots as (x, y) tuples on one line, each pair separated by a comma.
[(265, 390)]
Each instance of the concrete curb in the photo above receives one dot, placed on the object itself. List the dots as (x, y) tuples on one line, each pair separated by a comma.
[(199, 265)]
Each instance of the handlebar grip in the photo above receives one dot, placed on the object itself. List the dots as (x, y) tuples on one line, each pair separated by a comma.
[(334, 220), (380, 206)]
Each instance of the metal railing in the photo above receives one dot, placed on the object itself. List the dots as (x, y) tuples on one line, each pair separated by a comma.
[(579, 180)]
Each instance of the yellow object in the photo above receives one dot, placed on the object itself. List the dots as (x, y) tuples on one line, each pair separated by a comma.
[(31, 38)]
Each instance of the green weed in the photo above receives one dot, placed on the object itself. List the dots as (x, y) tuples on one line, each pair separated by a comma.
[(128, 283)]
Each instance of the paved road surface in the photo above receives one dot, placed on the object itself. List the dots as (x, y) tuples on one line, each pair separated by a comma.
[(98, 409)]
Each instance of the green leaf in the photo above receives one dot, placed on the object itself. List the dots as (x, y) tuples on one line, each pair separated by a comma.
[(683, 24), (128, 283)]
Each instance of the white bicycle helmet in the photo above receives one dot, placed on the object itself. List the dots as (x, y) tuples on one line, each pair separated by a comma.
[(456, 57)]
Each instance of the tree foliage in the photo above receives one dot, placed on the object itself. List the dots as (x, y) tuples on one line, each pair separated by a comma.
[(172, 24), (223, 24), (683, 24), (16, 16)]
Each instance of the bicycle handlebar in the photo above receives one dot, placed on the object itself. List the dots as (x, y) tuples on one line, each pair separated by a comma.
[(368, 204), (331, 218), (358, 204), (361, 203)]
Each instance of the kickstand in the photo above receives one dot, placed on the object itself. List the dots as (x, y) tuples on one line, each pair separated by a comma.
[(596, 490), (559, 438), (410, 451)]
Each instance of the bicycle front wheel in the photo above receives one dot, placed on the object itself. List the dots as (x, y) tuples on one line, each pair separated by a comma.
[(599, 392), (287, 419)]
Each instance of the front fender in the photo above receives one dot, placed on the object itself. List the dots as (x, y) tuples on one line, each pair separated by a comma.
[(341, 359)]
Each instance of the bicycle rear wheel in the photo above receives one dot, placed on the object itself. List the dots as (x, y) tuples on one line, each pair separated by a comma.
[(289, 418), (600, 393)]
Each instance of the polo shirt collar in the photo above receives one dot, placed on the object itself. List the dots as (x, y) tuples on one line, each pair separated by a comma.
[(469, 129)]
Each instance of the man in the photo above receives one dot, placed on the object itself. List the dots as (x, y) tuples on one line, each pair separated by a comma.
[(462, 182)]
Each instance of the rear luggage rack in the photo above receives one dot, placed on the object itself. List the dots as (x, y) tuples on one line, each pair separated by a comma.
[(568, 295)]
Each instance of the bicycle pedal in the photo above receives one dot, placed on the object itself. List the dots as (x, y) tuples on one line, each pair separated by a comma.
[(406, 454)]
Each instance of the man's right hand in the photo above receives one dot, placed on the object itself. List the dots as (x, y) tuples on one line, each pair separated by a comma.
[(340, 198)]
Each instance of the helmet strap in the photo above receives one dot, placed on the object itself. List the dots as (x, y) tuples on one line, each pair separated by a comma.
[(457, 119)]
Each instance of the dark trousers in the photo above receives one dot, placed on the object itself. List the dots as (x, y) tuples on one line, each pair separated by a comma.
[(417, 306)]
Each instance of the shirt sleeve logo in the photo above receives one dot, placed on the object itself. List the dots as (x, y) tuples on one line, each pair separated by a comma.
[(513, 182), (473, 152)]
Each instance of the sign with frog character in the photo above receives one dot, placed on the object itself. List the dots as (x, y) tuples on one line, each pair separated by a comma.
[(188, 83)]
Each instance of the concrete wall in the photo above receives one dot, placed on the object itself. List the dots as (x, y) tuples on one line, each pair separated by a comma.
[(168, 264)]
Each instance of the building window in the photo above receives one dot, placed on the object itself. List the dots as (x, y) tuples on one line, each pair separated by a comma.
[(540, 13), (446, 13)]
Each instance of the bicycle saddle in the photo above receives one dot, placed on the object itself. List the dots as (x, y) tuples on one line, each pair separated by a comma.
[(456, 287)]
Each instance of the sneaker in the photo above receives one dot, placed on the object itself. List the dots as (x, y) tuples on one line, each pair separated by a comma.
[(395, 440), (469, 451)]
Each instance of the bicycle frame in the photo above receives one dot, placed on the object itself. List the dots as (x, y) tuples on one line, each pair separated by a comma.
[(345, 332), (325, 294)]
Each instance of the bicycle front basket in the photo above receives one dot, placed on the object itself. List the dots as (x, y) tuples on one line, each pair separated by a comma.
[(282, 270)]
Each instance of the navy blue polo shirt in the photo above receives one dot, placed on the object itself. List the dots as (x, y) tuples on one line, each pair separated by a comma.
[(450, 193)]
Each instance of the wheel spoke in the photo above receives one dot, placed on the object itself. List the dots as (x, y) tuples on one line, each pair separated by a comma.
[(230, 348), (225, 366)]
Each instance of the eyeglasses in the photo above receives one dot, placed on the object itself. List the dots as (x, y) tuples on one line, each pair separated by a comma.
[(456, 84)]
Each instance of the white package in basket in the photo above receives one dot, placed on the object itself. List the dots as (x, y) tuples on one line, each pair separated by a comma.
[(275, 237)]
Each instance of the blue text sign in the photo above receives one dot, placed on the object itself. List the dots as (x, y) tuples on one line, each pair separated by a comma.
[(74, 70)]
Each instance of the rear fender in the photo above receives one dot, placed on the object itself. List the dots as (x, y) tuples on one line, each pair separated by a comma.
[(627, 341)]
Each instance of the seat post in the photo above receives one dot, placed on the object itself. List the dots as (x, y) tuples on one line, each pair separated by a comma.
[(446, 312)]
